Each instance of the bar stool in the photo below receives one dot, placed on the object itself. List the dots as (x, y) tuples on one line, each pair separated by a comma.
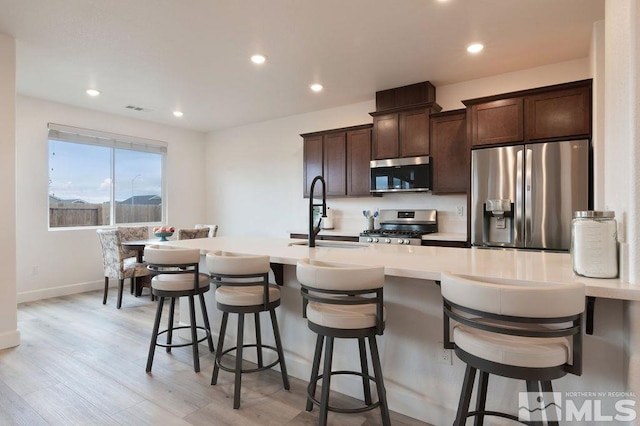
[(517, 329), (177, 275), (243, 288), (344, 302)]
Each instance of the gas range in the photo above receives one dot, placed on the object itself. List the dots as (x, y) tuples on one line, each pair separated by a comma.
[(404, 227)]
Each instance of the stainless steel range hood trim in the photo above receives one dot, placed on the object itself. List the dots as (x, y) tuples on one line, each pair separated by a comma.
[(393, 162)]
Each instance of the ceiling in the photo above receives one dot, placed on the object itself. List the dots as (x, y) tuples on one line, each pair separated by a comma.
[(193, 55)]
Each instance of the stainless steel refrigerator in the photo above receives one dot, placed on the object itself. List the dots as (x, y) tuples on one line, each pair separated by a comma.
[(524, 196)]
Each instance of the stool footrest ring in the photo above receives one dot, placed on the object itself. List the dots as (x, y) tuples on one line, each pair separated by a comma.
[(248, 370), (497, 414), (362, 409), (180, 345)]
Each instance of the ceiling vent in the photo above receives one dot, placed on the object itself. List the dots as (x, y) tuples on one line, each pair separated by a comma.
[(134, 108)]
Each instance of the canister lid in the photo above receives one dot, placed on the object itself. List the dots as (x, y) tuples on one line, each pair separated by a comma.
[(594, 214)]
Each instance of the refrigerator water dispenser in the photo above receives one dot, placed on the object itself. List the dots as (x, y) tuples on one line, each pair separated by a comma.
[(498, 222)]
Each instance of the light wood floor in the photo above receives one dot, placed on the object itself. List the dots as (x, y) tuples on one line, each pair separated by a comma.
[(82, 363)]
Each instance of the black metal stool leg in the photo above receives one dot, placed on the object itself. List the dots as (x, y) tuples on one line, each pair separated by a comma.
[(377, 371), (194, 335), (314, 371), (533, 392), (154, 334), (205, 318), (465, 396), (216, 364), (258, 339), (366, 386), (481, 399), (238, 378), (172, 310), (326, 382), (548, 389), (276, 335)]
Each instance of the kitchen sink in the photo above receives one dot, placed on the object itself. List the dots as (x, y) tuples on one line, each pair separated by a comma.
[(332, 244)]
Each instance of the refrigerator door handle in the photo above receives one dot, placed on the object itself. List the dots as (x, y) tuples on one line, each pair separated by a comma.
[(528, 200), (518, 237)]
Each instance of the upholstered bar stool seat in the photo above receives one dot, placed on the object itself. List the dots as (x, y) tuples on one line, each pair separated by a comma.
[(243, 287), (343, 302), (516, 329), (177, 275)]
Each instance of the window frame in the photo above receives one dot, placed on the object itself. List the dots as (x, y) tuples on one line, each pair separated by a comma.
[(113, 141)]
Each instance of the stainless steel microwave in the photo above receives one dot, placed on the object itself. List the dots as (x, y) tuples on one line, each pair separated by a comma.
[(411, 174)]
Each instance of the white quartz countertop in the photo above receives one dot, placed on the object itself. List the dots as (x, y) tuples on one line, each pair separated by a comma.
[(425, 262)]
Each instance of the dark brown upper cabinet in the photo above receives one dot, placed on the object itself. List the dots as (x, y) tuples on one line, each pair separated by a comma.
[(560, 113), (401, 121), (312, 154), (546, 113), (403, 133), (342, 157), (450, 164), (496, 122), (358, 162), (334, 166)]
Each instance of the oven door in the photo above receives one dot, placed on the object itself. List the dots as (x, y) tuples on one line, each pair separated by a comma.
[(403, 174)]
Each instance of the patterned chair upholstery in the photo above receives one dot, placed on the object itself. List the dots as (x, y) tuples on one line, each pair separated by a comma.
[(133, 233), (213, 229), (192, 233), (117, 261)]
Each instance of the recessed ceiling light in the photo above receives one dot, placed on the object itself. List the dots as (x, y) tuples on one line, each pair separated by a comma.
[(93, 92), (475, 48), (316, 87), (178, 113), (258, 59)]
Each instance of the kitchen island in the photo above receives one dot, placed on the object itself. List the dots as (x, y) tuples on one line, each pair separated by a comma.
[(422, 381)]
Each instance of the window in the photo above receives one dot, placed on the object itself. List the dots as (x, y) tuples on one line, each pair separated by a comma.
[(101, 179)]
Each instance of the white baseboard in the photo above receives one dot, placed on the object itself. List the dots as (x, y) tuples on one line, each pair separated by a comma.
[(46, 293), (9, 339)]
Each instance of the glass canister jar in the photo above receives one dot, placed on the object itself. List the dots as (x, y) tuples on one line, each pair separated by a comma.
[(594, 244)]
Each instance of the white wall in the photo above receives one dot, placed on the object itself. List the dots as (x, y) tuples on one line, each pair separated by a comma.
[(56, 262), (9, 335), (622, 155), (255, 171)]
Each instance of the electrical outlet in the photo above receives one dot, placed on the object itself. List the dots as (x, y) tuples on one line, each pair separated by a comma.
[(460, 210), (444, 356)]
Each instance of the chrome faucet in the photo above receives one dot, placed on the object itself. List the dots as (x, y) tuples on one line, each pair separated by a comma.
[(313, 230)]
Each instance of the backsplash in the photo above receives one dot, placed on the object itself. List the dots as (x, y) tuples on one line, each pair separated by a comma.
[(348, 217)]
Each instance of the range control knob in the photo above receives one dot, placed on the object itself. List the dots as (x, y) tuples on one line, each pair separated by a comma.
[(407, 241), (387, 240), (375, 240), (400, 241), (369, 240)]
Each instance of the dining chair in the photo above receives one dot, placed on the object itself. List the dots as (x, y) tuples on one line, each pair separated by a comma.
[(192, 233), (133, 233), (118, 263), (213, 229)]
